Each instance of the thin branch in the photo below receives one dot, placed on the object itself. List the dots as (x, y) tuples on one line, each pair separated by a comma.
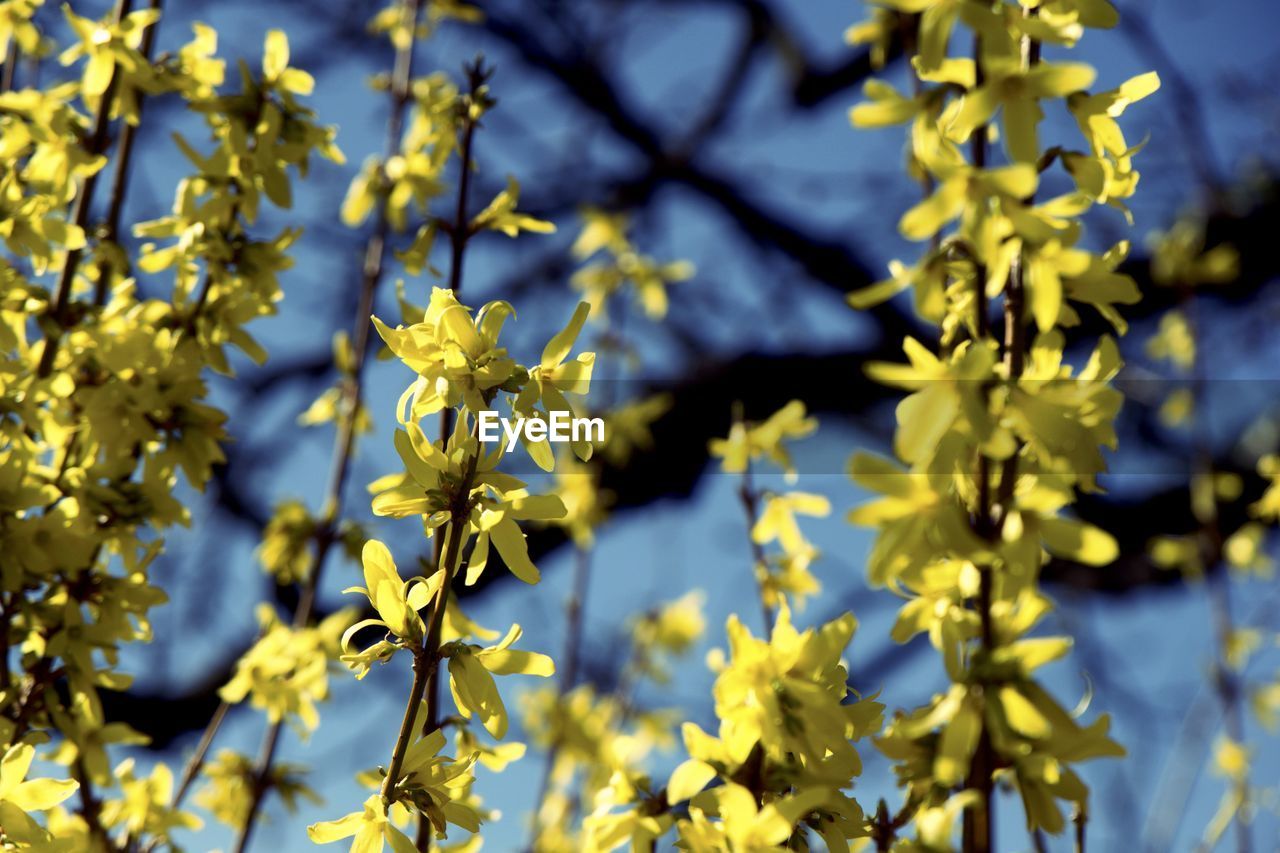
[(193, 766), (426, 665), (426, 658), (885, 827), (1192, 121), (90, 805), (979, 822), (344, 444), (574, 609), (611, 338), (460, 234), (568, 676), (124, 155), (10, 66), (1225, 683), (80, 213), (411, 709), (750, 499), (1178, 780)]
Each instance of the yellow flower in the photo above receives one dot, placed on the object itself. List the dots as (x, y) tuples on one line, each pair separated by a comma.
[(471, 671), (397, 604), (287, 670), (1015, 91), (550, 380), (369, 830), (749, 442), (457, 358), (501, 215), (778, 520), (20, 796), (743, 825)]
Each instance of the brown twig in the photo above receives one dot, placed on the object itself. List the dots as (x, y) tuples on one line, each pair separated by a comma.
[(1213, 545), (411, 709), (1081, 821), (42, 676), (124, 156), (10, 66), (327, 533), (90, 805), (568, 674), (573, 611), (979, 831), (1229, 689), (460, 235), (80, 214), (426, 658), (885, 827), (750, 500), (610, 339), (979, 825), (6, 621), (426, 665), (979, 822), (459, 230), (197, 760)]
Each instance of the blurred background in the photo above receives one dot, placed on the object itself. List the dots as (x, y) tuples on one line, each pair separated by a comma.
[(721, 127)]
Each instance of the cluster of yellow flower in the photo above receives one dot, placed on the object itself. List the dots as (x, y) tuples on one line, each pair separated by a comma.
[(105, 409), (455, 486), (785, 573), (105, 395), (998, 431), (1226, 548)]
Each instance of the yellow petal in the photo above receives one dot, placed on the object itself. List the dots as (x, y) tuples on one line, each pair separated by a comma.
[(689, 779), (98, 72), (513, 662), (275, 58), (41, 794), (333, 830), (560, 345), (929, 216), (1077, 541), (510, 542)]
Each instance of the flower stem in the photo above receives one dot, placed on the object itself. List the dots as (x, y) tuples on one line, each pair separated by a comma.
[(120, 183), (406, 726), (426, 660), (750, 499), (352, 392), (80, 214)]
